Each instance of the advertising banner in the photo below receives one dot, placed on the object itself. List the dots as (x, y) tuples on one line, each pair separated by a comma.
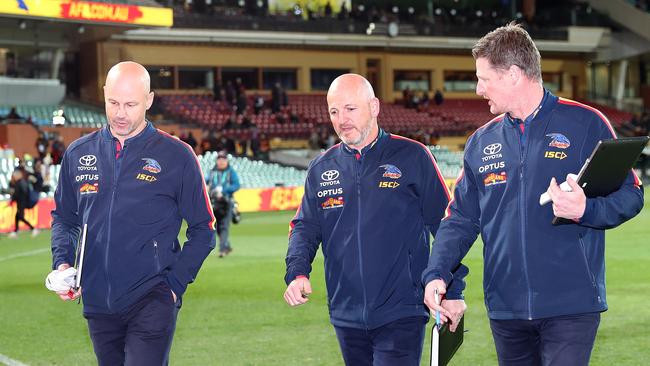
[(89, 12), (39, 216)]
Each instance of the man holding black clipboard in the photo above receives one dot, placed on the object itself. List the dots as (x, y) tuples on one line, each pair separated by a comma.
[(544, 284)]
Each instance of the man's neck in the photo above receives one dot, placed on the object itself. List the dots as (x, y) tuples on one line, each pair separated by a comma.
[(530, 99), (372, 136)]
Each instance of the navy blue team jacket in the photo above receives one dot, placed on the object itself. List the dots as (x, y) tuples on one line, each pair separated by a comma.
[(533, 269), (373, 211), (133, 206)]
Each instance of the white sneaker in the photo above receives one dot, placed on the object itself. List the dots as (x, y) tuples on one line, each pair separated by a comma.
[(12, 235), (35, 232)]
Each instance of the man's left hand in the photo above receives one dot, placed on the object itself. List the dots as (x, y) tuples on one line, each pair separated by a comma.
[(568, 205), (456, 309)]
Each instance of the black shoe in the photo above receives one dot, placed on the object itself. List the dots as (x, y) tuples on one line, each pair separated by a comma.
[(221, 254)]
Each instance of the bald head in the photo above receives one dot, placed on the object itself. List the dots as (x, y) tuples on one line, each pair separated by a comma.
[(127, 95), (132, 71), (353, 110), (354, 82)]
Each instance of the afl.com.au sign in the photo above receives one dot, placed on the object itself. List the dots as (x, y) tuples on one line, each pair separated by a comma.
[(89, 11)]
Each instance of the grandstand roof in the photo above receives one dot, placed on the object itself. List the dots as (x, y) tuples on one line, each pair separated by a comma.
[(580, 39)]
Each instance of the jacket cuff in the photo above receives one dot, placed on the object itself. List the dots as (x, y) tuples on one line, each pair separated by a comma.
[(292, 275), (590, 210), (175, 285), (434, 275)]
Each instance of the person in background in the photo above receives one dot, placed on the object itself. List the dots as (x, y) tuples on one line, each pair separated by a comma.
[(223, 182), (20, 195)]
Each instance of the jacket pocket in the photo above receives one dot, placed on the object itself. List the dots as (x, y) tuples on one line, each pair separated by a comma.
[(590, 274), (411, 276), (156, 255)]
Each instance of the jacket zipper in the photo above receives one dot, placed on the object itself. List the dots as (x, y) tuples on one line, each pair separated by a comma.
[(591, 275), (523, 150), (365, 299), (156, 256), (116, 167)]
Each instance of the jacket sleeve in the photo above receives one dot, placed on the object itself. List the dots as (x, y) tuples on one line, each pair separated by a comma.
[(435, 201), (304, 237), (455, 236), (233, 184), (614, 209), (194, 206), (66, 223)]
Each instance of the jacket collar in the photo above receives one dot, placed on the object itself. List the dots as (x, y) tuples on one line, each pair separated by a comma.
[(143, 135), (545, 107), (381, 136)]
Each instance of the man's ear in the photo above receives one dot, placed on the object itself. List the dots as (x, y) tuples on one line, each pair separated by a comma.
[(515, 74), (374, 107), (149, 100)]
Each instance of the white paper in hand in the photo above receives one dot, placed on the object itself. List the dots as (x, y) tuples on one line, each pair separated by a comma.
[(565, 187), (61, 281)]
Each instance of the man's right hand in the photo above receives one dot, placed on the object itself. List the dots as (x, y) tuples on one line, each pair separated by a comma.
[(65, 295), (298, 291), (430, 298)]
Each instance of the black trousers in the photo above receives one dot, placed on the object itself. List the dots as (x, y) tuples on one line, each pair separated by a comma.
[(141, 335), (396, 343), (559, 341), (20, 216)]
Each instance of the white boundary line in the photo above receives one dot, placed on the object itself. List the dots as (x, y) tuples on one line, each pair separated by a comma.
[(10, 361), (23, 254), (4, 359)]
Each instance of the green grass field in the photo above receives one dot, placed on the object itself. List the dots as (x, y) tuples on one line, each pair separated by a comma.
[(234, 313)]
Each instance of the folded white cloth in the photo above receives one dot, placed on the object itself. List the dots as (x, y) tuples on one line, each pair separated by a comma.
[(59, 281)]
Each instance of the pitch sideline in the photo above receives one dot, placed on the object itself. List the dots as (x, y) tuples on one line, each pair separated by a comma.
[(10, 361)]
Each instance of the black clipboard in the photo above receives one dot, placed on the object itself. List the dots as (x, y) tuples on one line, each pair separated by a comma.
[(445, 343), (607, 167)]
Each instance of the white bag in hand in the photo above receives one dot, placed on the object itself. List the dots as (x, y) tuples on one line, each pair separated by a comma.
[(59, 281)]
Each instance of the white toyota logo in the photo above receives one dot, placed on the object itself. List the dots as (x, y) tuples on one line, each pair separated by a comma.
[(87, 160), (492, 149), (329, 175)]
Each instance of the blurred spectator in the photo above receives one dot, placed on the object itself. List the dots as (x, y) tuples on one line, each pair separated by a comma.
[(406, 97), (58, 148), (258, 101), (39, 176), (231, 122), (328, 10), (293, 117), (189, 139), (343, 12), (276, 97), (438, 97), (13, 114), (217, 91), (42, 145), (242, 101), (230, 93), (20, 194)]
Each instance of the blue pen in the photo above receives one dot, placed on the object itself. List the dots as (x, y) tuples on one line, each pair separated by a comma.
[(437, 299)]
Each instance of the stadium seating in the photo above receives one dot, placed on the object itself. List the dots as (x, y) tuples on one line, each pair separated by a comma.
[(76, 116), (257, 174)]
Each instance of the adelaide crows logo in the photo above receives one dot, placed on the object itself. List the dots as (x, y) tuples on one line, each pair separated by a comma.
[(559, 140), (152, 166), (391, 171), (22, 5)]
